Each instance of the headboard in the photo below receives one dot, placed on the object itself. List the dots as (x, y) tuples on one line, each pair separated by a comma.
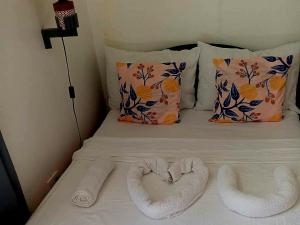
[(190, 46), (151, 25)]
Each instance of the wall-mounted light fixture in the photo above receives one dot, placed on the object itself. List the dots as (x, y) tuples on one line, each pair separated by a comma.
[(66, 20), (67, 24)]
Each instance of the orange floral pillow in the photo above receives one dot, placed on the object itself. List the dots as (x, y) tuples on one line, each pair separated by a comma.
[(150, 92), (250, 90)]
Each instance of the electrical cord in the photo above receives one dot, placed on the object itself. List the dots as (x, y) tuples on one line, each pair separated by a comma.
[(71, 91)]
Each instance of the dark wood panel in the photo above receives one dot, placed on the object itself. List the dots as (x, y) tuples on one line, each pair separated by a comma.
[(13, 208), (298, 93)]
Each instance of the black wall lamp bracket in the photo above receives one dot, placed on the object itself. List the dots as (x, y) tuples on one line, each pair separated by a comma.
[(71, 25)]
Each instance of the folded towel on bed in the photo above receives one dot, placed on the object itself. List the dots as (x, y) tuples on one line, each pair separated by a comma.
[(155, 165), (181, 167), (253, 206), (174, 204), (90, 185)]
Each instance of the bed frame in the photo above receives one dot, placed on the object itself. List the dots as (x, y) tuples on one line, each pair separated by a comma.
[(190, 46)]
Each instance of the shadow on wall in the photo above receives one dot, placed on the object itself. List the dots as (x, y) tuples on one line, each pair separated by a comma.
[(36, 113)]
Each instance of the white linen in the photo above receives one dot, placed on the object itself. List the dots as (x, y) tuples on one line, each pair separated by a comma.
[(196, 137), (195, 125), (173, 205), (90, 185), (206, 87), (253, 206), (114, 206), (252, 149), (212, 151), (190, 57)]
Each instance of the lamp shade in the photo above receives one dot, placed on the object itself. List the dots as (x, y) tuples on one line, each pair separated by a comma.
[(63, 9)]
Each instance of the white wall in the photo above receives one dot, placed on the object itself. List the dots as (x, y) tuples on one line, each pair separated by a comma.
[(98, 13), (35, 111), (157, 24), (144, 25)]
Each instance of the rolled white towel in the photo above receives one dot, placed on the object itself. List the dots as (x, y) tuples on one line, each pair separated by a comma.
[(90, 185), (253, 206)]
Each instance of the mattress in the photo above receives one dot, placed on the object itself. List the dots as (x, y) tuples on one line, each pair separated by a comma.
[(253, 149), (196, 137)]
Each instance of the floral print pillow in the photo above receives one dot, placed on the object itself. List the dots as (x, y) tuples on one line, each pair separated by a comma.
[(250, 90), (150, 92)]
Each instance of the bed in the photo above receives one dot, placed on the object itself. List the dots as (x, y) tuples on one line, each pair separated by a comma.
[(253, 149), (254, 152)]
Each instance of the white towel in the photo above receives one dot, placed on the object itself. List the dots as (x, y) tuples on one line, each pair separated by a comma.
[(172, 205), (155, 165), (91, 184), (183, 166), (253, 206)]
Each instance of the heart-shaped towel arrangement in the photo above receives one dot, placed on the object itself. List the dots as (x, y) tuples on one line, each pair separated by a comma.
[(253, 206), (177, 203)]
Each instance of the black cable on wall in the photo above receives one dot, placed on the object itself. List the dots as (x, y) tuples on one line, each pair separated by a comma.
[(71, 91)]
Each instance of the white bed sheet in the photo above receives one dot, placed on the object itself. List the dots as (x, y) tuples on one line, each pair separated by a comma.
[(255, 149), (195, 124), (196, 137), (114, 206)]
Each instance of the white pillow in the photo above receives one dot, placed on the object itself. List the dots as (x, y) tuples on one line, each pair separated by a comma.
[(206, 93), (190, 57)]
